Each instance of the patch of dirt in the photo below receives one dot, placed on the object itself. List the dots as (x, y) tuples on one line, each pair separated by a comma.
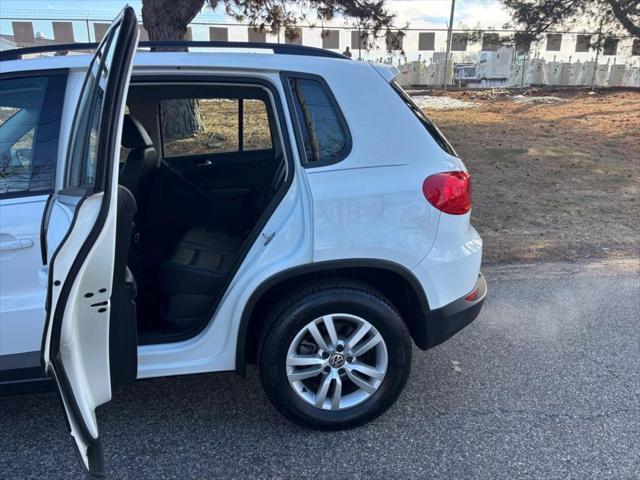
[(553, 182)]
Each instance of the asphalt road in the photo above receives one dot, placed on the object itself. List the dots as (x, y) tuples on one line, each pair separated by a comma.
[(545, 384)]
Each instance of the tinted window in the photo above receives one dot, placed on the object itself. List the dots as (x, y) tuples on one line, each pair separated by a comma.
[(201, 126), (321, 127), (256, 132), (420, 115), (30, 110)]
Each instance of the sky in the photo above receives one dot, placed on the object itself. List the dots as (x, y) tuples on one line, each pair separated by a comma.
[(489, 13)]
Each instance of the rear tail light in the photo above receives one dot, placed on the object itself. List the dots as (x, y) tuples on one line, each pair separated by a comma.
[(472, 296), (449, 192)]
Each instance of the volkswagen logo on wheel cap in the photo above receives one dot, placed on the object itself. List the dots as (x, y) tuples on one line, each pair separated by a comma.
[(336, 360)]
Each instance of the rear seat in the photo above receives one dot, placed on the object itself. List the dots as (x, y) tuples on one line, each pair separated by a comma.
[(199, 264)]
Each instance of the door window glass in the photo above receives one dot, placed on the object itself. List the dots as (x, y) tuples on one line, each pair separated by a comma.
[(256, 131), (203, 126), (30, 110), (86, 135), (193, 126)]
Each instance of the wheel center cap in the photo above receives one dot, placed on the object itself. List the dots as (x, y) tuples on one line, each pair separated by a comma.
[(336, 360)]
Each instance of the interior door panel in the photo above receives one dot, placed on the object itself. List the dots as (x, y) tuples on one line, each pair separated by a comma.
[(213, 186)]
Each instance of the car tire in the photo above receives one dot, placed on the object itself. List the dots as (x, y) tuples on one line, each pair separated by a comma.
[(349, 305)]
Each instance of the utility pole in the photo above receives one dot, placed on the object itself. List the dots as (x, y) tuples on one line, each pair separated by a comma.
[(598, 46), (449, 38)]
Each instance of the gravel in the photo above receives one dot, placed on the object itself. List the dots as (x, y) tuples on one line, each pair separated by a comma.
[(428, 103)]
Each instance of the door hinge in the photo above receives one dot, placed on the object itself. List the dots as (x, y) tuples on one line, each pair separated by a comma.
[(268, 237)]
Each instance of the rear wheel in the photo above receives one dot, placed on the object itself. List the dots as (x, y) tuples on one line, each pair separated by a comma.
[(334, 355)]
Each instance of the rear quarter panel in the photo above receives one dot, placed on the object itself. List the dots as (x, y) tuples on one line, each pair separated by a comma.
[(371, 205)]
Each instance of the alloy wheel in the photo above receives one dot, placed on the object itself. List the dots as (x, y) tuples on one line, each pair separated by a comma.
[(337, 361)]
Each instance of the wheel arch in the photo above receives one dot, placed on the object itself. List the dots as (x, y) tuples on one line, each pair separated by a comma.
[(393, 280)]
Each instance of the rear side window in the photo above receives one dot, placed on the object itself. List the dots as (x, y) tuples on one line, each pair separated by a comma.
[(428, 124), (30, 110), (322, 128)]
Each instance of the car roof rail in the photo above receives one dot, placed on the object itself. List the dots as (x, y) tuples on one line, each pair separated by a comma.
[(277, 48)]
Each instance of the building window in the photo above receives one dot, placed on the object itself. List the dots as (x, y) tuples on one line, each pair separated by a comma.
[(63, 32), (218, 34), (635, 48), (583, 43), (610, 46), (331, 39), (554, 42), (100, 30), (293, 36), (394, 41), (523, 42), (257, 36), (490, 42), (23, 33), (458, 42), (426, 41), (358, 40)]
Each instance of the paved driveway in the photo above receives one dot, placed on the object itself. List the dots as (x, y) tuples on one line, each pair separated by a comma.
[(545, 384)]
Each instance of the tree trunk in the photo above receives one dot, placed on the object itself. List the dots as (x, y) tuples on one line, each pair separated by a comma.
[(180, 118), (169, 20)]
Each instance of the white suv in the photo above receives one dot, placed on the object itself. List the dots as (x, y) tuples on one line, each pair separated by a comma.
[(314, 222)]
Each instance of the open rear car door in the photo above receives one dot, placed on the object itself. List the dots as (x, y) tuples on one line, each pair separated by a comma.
[(89, 339)]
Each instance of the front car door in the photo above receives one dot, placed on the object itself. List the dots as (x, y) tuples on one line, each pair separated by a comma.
[(80, 258), (30, 110)]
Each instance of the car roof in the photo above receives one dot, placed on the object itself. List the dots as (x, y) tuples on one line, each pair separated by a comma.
[(263, 60)]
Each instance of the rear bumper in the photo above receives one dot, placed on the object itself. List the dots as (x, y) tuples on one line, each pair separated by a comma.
[(442, 323)]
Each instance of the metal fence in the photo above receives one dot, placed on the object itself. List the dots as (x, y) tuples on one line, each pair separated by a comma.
[(418, 51), (414, 41)]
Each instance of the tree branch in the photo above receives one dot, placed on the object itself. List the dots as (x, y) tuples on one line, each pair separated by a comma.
[(623, 14)]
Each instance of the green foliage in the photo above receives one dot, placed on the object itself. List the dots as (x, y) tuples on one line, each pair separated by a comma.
[(163, 18), (610, 17)]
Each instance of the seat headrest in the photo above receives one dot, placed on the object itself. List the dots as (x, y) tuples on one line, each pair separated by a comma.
[(133, 134)]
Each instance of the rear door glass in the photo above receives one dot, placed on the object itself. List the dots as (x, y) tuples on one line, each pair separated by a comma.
[(203, 126)]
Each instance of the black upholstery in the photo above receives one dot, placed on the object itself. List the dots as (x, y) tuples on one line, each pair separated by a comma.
[(133, 134), (123, 343), (142, 157), (198, 266), (193, 274)]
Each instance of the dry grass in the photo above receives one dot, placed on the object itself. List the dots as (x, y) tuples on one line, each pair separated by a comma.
[(552, 182)]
